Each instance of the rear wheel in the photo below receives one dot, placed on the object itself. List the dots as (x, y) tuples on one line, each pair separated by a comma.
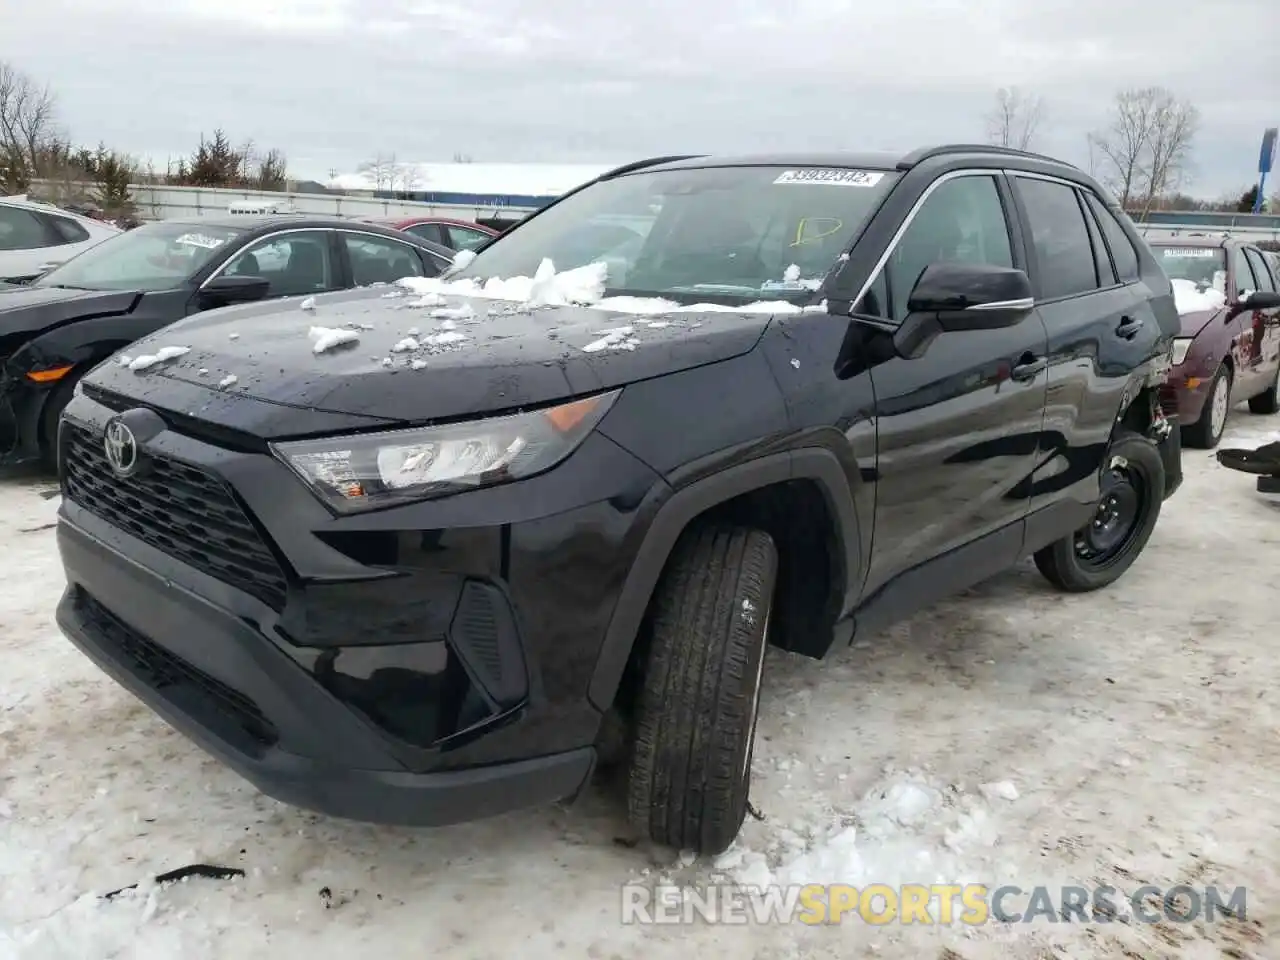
[(1207, 431), (696, 719), (1131, 493), (56, 402)]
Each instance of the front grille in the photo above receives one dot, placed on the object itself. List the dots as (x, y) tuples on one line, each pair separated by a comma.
[(241, 720), (189, 514)]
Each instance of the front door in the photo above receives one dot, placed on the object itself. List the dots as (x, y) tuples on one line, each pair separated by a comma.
[(956, 426)]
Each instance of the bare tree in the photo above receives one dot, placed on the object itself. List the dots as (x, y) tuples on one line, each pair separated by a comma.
[(404, 177), (380, 170), (1015, 119), (463, 158), (1173, 132), (26, 127), (1146, 148)]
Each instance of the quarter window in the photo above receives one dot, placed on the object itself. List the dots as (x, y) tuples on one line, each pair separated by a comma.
[(1059, 237), (962, 221), (68, 230), (464, 238)]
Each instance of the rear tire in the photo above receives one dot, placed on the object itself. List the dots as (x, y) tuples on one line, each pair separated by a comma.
[(53, 407), (1099, 554), (1206, 432), (1268, 401), (696, 717)]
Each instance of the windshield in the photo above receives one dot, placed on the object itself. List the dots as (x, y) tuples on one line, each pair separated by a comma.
[(1204, 266), (158, 256), (735, 234)]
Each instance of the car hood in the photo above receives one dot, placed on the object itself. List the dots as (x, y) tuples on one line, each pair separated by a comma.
[(416, 359), (1196, 320), (26, 310)]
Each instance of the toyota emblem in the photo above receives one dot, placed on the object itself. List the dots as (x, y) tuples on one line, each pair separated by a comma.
[(121, 448)]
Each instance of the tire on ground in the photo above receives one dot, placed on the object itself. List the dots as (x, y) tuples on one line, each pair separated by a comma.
[(1059, 562), (54, 404), (1200, 434), (695, 722)]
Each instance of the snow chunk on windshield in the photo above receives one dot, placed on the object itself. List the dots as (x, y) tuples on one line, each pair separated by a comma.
[(1189, 298), (326, 338), (581, 286), (160, 356)]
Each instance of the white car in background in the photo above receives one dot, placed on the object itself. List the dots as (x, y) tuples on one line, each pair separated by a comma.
[(36, 237)]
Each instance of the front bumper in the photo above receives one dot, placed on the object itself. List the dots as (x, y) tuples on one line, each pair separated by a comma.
[(409, 666)]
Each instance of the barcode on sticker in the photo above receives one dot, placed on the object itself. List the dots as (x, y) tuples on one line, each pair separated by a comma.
[(1190, 252), (836, 178)]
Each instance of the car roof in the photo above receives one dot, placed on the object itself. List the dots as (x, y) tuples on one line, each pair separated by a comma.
[(52, 208), (870, 160), (1190, 240)]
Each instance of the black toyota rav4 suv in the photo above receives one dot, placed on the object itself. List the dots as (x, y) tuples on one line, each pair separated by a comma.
[(404, 554)]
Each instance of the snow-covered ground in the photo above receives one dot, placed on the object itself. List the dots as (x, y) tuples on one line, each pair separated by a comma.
[(1137, 727)]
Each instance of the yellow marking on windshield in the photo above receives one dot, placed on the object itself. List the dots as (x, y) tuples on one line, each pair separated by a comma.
[(801, 239)]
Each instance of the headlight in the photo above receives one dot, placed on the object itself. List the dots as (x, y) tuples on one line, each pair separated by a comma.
[(1180, 347), (369, 470)]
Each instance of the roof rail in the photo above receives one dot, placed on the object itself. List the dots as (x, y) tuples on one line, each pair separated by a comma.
[(641, 164), (942, 150)]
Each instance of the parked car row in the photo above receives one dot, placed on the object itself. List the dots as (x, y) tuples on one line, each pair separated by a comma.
[(411, 583), (54, 329), (35, 237)]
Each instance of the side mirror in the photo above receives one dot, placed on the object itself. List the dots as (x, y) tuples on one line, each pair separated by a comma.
[(224, 291), (1259, 300), (972, 296)]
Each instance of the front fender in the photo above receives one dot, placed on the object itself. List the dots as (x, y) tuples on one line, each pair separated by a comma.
[(673, 510)]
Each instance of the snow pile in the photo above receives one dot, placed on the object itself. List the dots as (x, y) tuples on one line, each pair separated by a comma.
[(620, 338), (904, 832), (1191, 299), (326, 338), (164, 354), (581, 286)]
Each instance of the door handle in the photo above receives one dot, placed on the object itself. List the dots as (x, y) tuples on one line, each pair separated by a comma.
[(1129, 327), (1027, 368)]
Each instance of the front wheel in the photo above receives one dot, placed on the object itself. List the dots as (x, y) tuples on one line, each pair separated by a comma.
[(1131, 493), (1207, 431), (695, 726), (54, 404)]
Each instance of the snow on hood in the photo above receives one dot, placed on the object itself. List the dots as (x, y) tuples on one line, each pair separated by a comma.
[(581, 286), (1189, 298)]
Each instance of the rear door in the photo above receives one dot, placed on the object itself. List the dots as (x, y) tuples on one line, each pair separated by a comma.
[(1100, 328)]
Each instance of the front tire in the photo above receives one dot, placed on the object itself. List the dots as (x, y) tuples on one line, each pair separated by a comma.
[(1132, 491), (1206, 432), (53, 406), (1268, 401), (696, 718)]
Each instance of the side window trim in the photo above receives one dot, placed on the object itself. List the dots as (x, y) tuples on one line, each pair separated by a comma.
[(1256, 260), (1243, 283), (1102, 259), (995, 175)]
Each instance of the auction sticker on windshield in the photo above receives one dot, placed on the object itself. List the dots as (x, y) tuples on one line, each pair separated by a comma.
[(1190, 252), (201, 240), (835, 178)]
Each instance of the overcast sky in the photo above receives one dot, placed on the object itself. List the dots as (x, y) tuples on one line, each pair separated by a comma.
[(332, 82)]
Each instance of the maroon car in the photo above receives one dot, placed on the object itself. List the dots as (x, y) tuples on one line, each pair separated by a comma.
[(454, 234), (1229, 350)]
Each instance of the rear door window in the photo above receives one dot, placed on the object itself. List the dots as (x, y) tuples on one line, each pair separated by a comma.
[(1261, 272), (379, 259), (1059, 237), (1123, 255), (294, 264)]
